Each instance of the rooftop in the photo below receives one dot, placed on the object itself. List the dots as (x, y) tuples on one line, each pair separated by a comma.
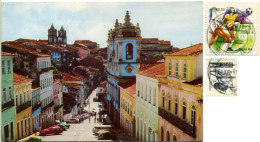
[(19, 79), (129, 86), (158, 69), (83, 42), (8, 54), (193, 50)]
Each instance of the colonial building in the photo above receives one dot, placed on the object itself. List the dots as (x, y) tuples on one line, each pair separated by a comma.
[(36, 107), (7, 99), (128, 107), (180, 96), (58, 99), (123, 60), (23, 99), (147, 102)]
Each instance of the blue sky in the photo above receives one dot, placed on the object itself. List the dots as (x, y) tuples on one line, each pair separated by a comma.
[(179, 22)]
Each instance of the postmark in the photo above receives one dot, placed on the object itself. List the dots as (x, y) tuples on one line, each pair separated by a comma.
[(232, 29), (221, 77)]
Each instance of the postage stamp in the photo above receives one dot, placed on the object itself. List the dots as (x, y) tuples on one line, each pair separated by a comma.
[(221, 77), (232, 29)]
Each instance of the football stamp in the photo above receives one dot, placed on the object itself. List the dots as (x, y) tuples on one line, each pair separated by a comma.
[(221, 77), (232, 29)]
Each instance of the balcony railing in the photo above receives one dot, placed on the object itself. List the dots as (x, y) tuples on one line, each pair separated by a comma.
[(57, 107), (178, 122), (44, 70), (23, 106), (8, 104), (48, 105), (35, 107)]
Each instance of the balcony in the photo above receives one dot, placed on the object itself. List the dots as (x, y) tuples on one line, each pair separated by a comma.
[(56, 108), (44, 70), (7, 105), (23, 106), (178, 122), (47, 106), (35, 107)]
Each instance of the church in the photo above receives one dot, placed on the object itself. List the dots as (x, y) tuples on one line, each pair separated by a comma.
[(55, 37), (125, 52)]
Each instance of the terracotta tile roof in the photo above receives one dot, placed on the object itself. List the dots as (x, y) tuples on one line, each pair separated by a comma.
[(103, 85), (83, 67), (68, 77), (129, 86), (56, 81), (19, 79), (70, 94), (80, 76), (197, 82), (193, 50), (93, 68), (158, 69), (164, 42), (149, 39), (151, 63), (25, 40), (73, 85), (93, 51), (24, 48), (83, 42), (8, 54)]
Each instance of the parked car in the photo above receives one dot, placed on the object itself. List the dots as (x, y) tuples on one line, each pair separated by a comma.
[(51, 130), (61, 125), (73, 120), (33, 139), (101, 131), (107, 135), (80, 119), (101, 127), (81, 116), (58, 122)]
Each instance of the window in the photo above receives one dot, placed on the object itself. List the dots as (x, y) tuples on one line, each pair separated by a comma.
[(4, 95), (3, 67), (28, 97), (169, 103), (12, 129), (150, 95), (16, 99), (176, 106), (18, 128), (9, 66), (193, 115), (174, 138), (176, 70), (154, 97), (168, 136), (10, 93), (117, 53), (184, 71), (163, 100), (21, 99), (170, 69), (162, 133), (184, 110), (24, 95), (129, 51)]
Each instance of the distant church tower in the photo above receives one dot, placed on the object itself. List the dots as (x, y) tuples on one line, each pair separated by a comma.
[(52, 35), (62, 37)]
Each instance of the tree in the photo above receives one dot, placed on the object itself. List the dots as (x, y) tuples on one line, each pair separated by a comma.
[(157, 55), (55, 70)]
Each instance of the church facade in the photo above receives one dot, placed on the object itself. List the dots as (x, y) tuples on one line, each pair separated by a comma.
[(55, 37)]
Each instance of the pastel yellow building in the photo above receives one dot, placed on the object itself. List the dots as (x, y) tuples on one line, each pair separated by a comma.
[(128, 107), (23, 118), (180, 96)]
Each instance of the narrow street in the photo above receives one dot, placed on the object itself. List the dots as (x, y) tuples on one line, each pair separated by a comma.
[(81, 131)]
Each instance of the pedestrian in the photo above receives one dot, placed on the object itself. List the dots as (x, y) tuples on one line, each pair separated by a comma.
[(95, 119), (89, 119)]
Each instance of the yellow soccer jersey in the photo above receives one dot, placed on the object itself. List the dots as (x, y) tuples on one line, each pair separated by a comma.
[(231, 18)]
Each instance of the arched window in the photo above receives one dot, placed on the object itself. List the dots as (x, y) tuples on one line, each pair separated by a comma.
[(117, 53), (176, 69), (174, 138), (176, 105), (129, 51), (163, 100), (169, 103), (168, 136), (193, 115), (184, 75), (170, 69), (184, 110), (162, 133)]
